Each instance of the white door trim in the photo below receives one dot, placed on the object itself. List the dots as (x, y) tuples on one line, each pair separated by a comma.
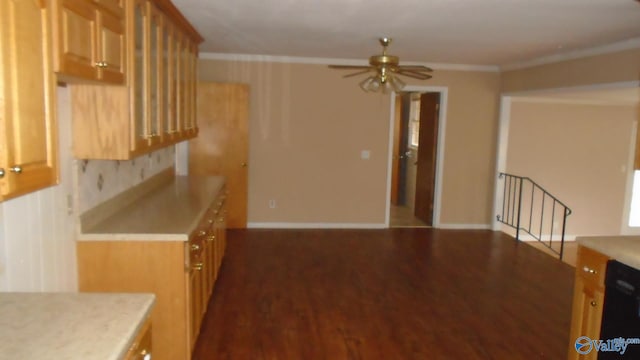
[(442, 124), (503, 141)]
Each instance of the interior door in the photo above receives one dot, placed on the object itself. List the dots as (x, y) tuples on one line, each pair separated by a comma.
[(426, 163), (395, 159), (222, 145)]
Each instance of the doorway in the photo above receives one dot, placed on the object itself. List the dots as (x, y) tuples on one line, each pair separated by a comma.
[(416, 139)]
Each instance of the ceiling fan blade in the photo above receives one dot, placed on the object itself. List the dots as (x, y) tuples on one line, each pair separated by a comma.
[(413, 74), (415, 68), (358, 73), (349, 67)]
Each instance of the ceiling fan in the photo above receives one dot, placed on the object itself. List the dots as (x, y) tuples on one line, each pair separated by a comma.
[(385, 67)]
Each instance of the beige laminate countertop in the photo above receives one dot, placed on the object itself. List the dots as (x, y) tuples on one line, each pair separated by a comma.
[(70, 325), (625, 249), (169, 213)]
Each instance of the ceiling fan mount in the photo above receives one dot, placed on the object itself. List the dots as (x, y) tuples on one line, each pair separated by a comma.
[(386, 67)]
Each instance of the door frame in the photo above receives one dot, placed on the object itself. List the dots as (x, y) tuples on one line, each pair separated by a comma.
[(442, 122), (504, 121)]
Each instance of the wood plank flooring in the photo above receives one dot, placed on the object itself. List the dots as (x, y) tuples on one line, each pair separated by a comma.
[(386, 294)]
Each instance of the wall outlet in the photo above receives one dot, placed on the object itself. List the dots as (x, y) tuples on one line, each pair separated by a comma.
[(272, 204)]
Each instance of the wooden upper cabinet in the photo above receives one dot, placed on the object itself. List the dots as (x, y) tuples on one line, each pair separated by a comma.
[(89, 40), (155, 108), (113, 6), (27, 114)]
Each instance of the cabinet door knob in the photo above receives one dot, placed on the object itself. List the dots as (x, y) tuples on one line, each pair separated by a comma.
[(589, 270), (16, 169), (593, 303), (1, 173), (195, 247), (244, 164)]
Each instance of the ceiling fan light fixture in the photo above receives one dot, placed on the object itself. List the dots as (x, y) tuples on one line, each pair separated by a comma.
[(371, 84), (386, 68), (396, 83)]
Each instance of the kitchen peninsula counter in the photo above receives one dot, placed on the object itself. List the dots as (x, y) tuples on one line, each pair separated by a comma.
[(70, 325), (625, 249)]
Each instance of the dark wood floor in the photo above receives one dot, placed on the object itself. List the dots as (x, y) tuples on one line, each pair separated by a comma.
[(386, 294)]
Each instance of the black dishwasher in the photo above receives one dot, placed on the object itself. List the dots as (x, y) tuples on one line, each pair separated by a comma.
[(621, 313)]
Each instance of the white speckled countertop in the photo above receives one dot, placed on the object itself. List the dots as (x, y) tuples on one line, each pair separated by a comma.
[(168, 213), (625, 249), (70, 325)]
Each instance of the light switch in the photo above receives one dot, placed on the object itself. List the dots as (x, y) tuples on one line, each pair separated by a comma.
[(365, 154)]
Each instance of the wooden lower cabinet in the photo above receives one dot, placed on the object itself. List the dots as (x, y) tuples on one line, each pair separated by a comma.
[(181, 274), (588, 299)]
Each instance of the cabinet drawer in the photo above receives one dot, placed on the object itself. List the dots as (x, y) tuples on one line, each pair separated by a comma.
[(195, 247), (591, 266)]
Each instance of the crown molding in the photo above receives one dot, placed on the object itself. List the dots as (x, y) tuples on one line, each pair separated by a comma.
[(336, 61), (629, 44)]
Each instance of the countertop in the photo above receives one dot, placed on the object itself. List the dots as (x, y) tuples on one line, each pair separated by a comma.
[(168, 213), (625, 249), (70, 325)]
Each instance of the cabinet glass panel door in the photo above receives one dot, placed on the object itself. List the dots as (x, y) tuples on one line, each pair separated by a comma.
[(186, 113), (139, 87), (154, 63), (166, 79)]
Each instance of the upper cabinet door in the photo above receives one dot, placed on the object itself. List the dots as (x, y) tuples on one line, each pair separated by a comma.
[(27, 122), (75, 45), (111, 48), (89, 40)]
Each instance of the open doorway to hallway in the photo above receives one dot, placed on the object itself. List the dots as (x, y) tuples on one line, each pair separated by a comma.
[(414, 159)]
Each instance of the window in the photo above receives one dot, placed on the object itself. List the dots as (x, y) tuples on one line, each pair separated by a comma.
[(634, 214), (414, 121)]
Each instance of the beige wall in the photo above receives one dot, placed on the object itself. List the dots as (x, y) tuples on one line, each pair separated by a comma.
[(580, 154), (601, 69), (308, 126)]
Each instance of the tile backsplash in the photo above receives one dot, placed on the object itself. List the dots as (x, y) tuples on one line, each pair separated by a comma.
[(100, 180)]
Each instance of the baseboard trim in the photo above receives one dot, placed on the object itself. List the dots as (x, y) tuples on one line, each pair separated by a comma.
[(465, 226), (286, 225)]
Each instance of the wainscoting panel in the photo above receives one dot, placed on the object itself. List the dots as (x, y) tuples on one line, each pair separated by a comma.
[(37, 242)]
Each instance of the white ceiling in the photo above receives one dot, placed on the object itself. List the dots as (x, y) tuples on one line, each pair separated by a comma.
[(487, 32)]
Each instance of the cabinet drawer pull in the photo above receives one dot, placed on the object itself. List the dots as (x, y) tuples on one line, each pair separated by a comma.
[(211, 237), (198, 266), (593, 303), (195, 247), (202, 233), (102, 64), (16, 169), (589, 270)]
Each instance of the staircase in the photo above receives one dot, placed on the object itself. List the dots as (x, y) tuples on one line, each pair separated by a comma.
[(528, 208)]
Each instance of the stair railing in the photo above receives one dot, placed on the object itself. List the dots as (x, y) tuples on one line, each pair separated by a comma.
[(526, 207)]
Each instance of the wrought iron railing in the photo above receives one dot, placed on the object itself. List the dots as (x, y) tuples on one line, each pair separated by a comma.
[(528, 207)]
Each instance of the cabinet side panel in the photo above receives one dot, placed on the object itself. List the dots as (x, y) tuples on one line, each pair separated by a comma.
[(100, 122), (143, 266)]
